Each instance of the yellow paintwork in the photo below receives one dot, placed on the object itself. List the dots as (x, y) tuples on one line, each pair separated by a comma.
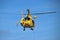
[(27, 22)]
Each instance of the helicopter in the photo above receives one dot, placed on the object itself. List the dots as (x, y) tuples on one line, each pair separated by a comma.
[(28, 21)]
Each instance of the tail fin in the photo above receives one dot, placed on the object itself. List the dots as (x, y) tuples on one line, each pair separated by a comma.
[(28, 11)]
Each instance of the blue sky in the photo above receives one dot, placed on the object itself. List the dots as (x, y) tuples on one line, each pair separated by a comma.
[(46, 26)]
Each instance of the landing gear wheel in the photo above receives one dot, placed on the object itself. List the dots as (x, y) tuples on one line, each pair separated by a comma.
[(24, 29), (32, 29)]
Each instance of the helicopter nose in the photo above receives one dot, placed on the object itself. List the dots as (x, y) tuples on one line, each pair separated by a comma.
[(26, 25)]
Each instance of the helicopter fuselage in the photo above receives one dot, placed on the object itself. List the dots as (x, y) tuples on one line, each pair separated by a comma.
[(27, 22)]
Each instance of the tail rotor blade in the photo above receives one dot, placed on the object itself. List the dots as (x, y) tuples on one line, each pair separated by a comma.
[(17, 24), (22, 13)]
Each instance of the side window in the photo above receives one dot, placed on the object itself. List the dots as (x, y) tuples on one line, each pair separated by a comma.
[(25, 18), (28, 18)]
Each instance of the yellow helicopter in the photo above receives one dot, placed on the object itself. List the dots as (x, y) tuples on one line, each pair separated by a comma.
[(28, 21)]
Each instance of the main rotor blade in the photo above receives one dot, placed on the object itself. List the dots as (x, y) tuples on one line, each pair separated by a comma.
[(31, 13), (43, 13)]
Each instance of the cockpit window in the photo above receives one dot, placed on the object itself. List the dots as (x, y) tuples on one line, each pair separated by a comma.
[(27, 18)]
